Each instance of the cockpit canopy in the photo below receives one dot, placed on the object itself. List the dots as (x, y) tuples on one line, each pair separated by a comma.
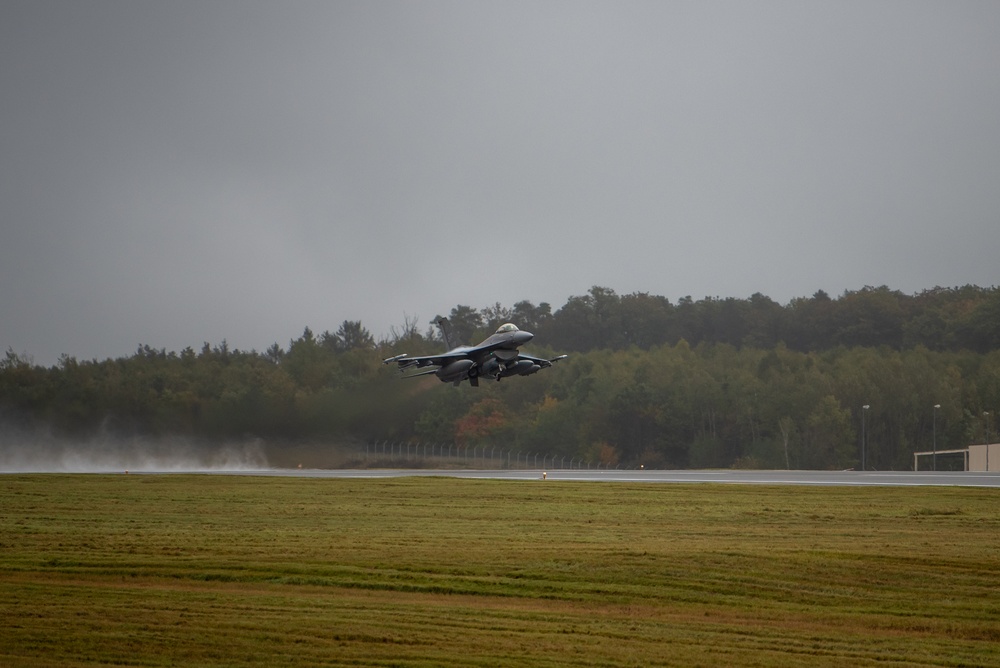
[(507, 328)]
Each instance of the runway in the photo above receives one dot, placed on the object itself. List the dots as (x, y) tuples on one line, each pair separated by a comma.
[(815, 478)]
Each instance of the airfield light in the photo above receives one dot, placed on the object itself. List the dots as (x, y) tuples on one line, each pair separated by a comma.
[(864, 436)]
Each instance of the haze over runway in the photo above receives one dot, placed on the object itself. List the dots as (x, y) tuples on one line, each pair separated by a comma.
[(739, 477), (180, 172)]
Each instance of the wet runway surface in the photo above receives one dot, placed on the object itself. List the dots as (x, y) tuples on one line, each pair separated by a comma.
[(828, 478)]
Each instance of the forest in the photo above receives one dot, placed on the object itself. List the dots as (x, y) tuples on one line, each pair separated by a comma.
[(692, 384)]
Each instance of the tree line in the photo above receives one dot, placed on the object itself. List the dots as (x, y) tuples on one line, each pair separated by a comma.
[(939, 319), (712, 383)]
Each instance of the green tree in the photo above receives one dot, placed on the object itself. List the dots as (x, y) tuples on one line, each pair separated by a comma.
[(532, 318), (496, 315), (308, 363), (351, 335), (465, 323), (827, 437)]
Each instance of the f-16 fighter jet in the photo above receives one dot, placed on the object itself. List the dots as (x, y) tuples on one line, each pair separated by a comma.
[(497, 357)]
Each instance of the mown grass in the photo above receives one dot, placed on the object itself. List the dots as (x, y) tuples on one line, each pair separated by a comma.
[(220, 570)]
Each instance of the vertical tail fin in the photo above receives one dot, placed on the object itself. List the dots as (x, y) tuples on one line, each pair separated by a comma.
[(446, 331)]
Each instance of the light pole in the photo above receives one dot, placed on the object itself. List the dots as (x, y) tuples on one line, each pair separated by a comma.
[(986, 437), (934, 457), (864, 436)]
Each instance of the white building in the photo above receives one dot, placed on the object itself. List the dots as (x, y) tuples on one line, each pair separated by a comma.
[(984, 457), (977, 457)]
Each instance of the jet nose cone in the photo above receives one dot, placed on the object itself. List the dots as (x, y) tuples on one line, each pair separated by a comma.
[(522, 337)]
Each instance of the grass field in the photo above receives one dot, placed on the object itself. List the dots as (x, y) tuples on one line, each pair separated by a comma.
[(225, 570)]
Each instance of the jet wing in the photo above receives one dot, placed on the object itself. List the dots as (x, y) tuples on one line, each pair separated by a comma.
[(540, 361), (406, 362)]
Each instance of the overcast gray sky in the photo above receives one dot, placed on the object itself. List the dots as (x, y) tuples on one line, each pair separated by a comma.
[(179, 172)]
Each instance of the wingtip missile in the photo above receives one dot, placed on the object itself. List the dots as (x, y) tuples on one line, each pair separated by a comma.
[(390, 360)]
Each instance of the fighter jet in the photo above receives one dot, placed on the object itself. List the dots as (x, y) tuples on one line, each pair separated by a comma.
[(497, 357)]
